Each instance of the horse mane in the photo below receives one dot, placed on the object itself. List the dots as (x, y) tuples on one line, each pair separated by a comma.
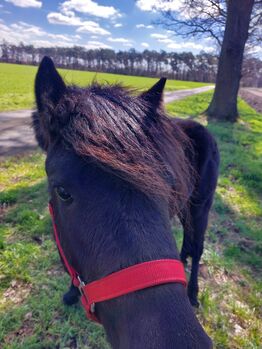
[(126, 135)]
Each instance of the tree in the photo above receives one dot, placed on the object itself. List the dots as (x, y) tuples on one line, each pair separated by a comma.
[(224, 102), (228, 23)]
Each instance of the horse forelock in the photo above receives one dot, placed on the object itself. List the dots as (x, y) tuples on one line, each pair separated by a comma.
[(123, 134)]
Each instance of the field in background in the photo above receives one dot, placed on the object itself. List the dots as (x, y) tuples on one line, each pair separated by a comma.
[(32, 279), (17, 81)]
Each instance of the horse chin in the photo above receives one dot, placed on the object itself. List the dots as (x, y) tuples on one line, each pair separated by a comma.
[(71, 296)]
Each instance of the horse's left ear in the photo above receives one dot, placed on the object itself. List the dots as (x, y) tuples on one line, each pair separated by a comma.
[(49, 88), (155, 94)]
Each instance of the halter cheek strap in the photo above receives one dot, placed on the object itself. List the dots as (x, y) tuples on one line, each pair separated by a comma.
[(122, 282), (73, 274)]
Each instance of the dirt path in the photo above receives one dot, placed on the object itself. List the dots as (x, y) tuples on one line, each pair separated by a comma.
[(16, 135), (253, 96), (176, 95)]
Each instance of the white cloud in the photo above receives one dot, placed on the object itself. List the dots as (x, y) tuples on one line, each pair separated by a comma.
[(93, 28), (159, 36), (71, 19), (166, 41), (180, 46), (121, 40), (208, 40), (59, 18), (96, 44), (118, 25), (202, 7), (48, 43), (26, 3), (90, 7), (144, 26), (68, 16), (145, 44), (156, 5), (255, 50), (189, 46), (209, 49), (31, 34), (127, 45), (185, 45)]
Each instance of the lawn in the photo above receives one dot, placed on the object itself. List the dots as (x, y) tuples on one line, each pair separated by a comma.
[(32, 280), (17, 81)]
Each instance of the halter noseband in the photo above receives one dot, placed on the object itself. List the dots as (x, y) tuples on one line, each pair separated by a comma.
[(127, 280)]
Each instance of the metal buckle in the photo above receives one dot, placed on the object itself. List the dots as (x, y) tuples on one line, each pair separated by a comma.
[(81, 285), (92, 308)]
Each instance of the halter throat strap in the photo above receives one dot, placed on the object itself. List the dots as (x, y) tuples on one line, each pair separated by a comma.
[(124, 281)]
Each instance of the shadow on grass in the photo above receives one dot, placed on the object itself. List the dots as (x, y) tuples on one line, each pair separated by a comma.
[(25, 211), (240, 161), (25, 193), (239, 238), (237, 201), (25, 227)]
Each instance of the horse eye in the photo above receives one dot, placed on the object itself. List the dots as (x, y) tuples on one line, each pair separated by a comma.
[(63, 194)]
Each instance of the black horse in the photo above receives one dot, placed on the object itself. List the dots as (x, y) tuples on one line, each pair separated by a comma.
[(118, 170)]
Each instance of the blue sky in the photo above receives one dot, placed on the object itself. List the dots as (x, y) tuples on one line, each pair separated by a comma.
[(116, 24)]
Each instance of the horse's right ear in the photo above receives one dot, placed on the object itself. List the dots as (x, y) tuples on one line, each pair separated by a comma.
[(49, 88), (154, 96)]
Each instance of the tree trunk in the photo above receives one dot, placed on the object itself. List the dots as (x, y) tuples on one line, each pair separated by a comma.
[(224, 103)]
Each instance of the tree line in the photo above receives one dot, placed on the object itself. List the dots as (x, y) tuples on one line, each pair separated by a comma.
[(174, 65), (181, 66)]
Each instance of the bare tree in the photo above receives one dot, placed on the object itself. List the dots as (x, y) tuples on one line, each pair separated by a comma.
[(224, 101), (207, 18), (230, 23)]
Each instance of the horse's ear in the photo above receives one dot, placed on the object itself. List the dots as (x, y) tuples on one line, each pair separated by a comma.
[(49, 88), (155, 94)]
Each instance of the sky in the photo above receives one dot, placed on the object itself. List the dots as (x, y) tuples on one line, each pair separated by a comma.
[(116, 24)]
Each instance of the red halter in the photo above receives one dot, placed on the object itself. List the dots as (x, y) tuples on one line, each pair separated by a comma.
[(134, 278)]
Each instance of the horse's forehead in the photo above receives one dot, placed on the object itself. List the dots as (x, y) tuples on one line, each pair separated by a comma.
[(65, 166), (61, 160)]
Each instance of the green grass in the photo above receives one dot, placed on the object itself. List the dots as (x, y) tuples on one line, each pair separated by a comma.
[(17, 81), (32, 279)]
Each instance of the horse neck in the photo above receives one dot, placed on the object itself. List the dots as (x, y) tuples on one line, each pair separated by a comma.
[(156, 318)]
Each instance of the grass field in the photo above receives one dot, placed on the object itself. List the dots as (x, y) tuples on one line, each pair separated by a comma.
[(32, 280), (17, 81)]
